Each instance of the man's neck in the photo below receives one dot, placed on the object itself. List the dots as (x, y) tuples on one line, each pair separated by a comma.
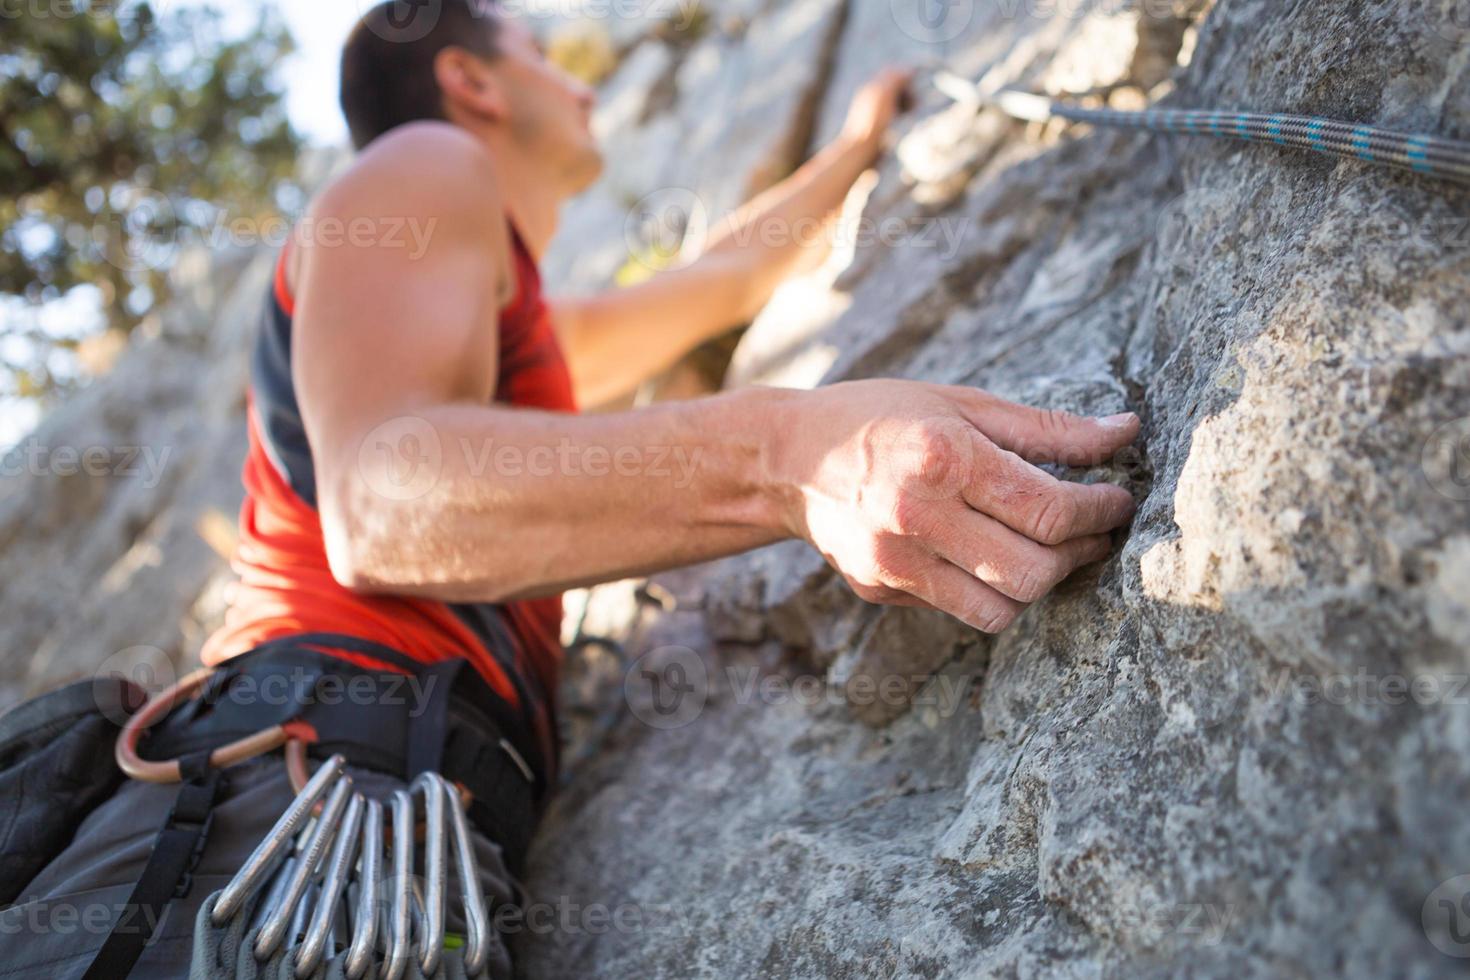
[(532, 201)]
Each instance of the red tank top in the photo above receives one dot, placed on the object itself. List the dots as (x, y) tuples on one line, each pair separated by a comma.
[(286, 587)]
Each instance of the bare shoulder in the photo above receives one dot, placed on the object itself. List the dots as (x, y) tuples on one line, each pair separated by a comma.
[(424, 168)]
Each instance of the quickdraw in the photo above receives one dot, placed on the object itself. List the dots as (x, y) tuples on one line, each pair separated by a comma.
[(327, 895)]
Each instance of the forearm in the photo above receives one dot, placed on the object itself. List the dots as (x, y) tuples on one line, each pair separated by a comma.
[(776, 230), (617, 339), (523, 504)]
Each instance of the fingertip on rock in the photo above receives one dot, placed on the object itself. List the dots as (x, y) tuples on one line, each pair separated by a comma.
[(1124, 422)]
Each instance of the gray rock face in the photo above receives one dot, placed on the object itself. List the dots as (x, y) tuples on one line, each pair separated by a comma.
[(116, 514), (1238, 748), (1235, 749), (693, 128)]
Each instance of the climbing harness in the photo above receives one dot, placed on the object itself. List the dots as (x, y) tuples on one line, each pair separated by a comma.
[(1431, 156), (330, 880)]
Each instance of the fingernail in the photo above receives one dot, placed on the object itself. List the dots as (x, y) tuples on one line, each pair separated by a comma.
[(1119, 421)]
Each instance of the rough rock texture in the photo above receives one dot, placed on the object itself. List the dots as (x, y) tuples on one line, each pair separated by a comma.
[(693, 123), (1239, 748), (116, 512), (1197, 759)]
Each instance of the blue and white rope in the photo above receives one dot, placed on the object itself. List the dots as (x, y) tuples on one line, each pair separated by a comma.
[(1428, 155)]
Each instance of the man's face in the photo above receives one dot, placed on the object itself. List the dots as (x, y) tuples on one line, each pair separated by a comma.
[(550, 111)]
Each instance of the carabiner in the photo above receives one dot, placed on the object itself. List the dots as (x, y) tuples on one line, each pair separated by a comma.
[(431, 942), (344, 849), (270, 850), (477, 922), (400, 914), (269, 938), (369, 881)]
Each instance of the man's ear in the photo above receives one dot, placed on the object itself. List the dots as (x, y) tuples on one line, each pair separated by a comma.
[(468, 83)]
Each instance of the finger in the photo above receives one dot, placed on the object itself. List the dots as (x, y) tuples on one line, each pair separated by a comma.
[(948, 588), (884, 596), (1011, 563), (1036, 504), (1043, 435)]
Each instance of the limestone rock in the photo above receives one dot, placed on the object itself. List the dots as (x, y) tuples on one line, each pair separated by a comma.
[(1204, 757), (1238, 748)]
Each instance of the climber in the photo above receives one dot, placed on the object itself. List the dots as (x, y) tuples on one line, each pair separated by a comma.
[(420, 491)]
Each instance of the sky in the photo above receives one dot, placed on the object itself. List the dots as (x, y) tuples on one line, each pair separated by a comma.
[(320, 27), (310, 75)]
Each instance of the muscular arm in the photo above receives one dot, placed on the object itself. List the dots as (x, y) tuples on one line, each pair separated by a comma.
[(916, 493), (616, 339), (423, 488)]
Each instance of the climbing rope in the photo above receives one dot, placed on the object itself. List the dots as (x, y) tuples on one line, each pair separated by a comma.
[(1428, 155)]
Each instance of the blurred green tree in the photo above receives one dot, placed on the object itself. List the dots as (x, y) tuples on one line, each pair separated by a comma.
[(126, 129)]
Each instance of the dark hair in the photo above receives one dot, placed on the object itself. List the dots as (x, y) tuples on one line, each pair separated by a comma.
[(388, 61)]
